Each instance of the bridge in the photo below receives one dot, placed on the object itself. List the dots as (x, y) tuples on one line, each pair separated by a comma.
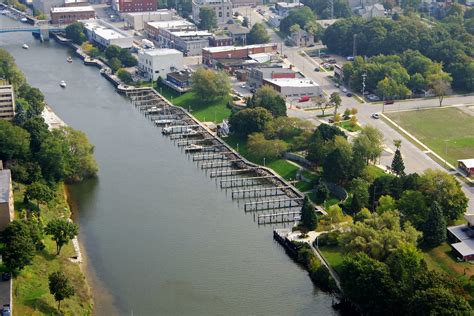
[(32, 29)]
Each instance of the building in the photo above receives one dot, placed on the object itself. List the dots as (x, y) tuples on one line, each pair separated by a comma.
[(154, 63), (7, 211), (45, 5), (180, 81), (284, 8), (238, 33), (220, 40), (246, 3), (222, 8), (467, 166), (301, 38), (256, 76), (179, 34), (210, 55), (68, 15), (136, 5), (7, 102), (294, 87), (75, 3), (372, 11), (105, 34), (137, 20), (461, 238)]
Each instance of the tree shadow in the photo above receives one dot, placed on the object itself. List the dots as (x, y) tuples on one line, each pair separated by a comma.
[(42, 306), (47, 256)]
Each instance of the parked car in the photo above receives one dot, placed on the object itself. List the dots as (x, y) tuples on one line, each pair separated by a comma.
[(389, 102), (325, 56), (348, 94), (243, 86), (253, 90), (375, 116), (317, 69), (6, 311), (304, 99), (350, 58), (6, 276), (331, 120), (344, 90)]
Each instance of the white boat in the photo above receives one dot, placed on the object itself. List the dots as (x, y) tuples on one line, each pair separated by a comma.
[(69, 59), (24, 20), (25, 46), (62, 84)]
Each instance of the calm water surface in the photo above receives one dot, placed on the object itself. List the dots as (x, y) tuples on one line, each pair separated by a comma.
[(160, 237)]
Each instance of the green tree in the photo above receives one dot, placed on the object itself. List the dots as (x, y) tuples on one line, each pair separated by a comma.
[(308, 215), (14, 142), (261, 148), (34, 97), (115, 64), (386, 203), (249, 121), (19, 247), (398, 167), (369, 144), (112, 51), (40, 192), (336, 166), (207, 18), (441, 86), (360, 190), (126, 58), (258, 34), (245, 22), (322, 192), (125, 76), (434, 232), (210, 85), (60, 287), (300, 16), (9, 70), (336, 101), (75, 32), (413, 206), (61, 231), (38, 131), (266, 97)]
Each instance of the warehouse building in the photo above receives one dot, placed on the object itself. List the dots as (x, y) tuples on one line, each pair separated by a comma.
[(294, 87), (137, 20), (154, 63), (71, 14)]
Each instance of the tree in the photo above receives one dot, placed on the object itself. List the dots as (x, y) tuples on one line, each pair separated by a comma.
[(300, 16), (321, 103), (115, 64), (369, 144), (335, 214), (125, 76), (19, 247), (336, 101), (9, 70), (207, 18), (60, 287), (40, 192), (386, 203), (75, 32), (112, 51), (414, 208), (210, 85), (14, 142), (398, 167), (440, 87), (261, 148), (434, 232), (62, 231), (322, 192), (295, 28), (38, 130), (336, 167), (245, 22), (266, 97), (360, 191), (258, 34), (126, 58), (34, 97), (308, 215), (439, 301), (248, 121)]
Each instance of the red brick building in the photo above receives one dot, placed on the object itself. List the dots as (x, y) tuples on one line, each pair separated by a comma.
[(68, 15), (137, 5), (211, 54)]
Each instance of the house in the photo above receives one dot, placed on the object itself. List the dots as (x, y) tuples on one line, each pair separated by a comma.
[(7, 211), (222, 8), (71, 14), (467, 166), (238, 33), (284, 8), (180, 81), (220, 40), (372, 11), (105, 34), (154, 63), (257, 75), (301, 38), (461, 238), (7, 102), (294, 87)]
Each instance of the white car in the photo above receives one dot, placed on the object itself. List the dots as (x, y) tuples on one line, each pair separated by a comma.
[(243, 86), (344, 90), (375, 116)]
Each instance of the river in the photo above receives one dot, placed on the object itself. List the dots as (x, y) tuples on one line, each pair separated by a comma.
[(160, 237)]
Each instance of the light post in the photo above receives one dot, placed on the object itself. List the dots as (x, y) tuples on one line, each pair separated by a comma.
[(264, 161), (363, 83)]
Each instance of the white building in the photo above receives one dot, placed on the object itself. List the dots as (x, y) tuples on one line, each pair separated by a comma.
[(105, 34), (7, 102), (372, 11), (294, 87), (223, 9), (136, 20), (156, 63)]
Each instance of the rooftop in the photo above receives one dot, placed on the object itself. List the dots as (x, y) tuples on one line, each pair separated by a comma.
[(465, 247), (237, 29), (462, 232), (162, 52), (234, 48), (171, 24), (287, 5), (107, 33), (293, 82), (181, 75), (84, 8), (191, 33), (469, 163), (5, 178), (157, 12), (75, 1), (267, 71)]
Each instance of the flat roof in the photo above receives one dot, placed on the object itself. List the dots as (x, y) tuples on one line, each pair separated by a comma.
[(293, 82), (162, 52), (180, 75), (170, 23), (75, 1), (191, 33), (108, 33), (5, 178), (289, 5), (465, 247), (157, 12), (469, 163), (233, 48), (84, 8)]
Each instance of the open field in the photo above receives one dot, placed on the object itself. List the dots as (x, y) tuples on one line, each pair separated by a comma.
[(447, 131), (333, 255)]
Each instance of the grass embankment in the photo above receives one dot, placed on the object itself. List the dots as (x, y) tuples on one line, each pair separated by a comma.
[(30, 288), (442, 259), (348, 126), (447, 131), (333, 255)]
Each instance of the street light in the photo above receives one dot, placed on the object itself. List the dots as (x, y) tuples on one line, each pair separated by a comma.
[(363, 83), (264, 161)]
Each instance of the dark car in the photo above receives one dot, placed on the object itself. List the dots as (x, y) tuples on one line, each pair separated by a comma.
[(317, 69), (331, 120), (6, 276), (389, 102), (253, 90), (6, 311), (348, 94)]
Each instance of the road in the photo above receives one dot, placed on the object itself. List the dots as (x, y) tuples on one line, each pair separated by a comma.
[(415, 159)]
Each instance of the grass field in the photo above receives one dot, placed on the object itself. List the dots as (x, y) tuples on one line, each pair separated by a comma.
[(30, 288), (449, 131), (333, 255)]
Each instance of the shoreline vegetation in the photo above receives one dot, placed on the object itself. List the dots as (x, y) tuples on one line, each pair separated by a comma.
[(44, 155)]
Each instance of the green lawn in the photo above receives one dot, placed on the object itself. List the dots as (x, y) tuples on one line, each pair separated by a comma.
[(449, 131), (333, 255), (374, 171), (347, 126), (214, 111)]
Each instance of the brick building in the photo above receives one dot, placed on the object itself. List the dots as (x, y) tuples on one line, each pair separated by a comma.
[(137, 5), (210, 55), (68, 15)]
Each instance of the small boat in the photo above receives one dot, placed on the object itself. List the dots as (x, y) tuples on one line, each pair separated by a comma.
[(25, 46), (24, 20), (69, 59), (62, 84)]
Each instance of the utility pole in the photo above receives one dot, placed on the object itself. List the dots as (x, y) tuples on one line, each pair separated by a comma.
[(363, 83), (354, 46)]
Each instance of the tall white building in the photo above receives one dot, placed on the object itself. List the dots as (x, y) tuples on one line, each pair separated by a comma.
[(222, 8), (7, 102), (156, 63)]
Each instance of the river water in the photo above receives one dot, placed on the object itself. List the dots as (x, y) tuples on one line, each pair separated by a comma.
[(160, 237)]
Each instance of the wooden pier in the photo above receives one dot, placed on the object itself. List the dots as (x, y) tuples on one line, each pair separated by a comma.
[(272, 205)]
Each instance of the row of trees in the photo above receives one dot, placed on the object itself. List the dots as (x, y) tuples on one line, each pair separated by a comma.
[(305, 19), (210, 85), (448, 43)]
